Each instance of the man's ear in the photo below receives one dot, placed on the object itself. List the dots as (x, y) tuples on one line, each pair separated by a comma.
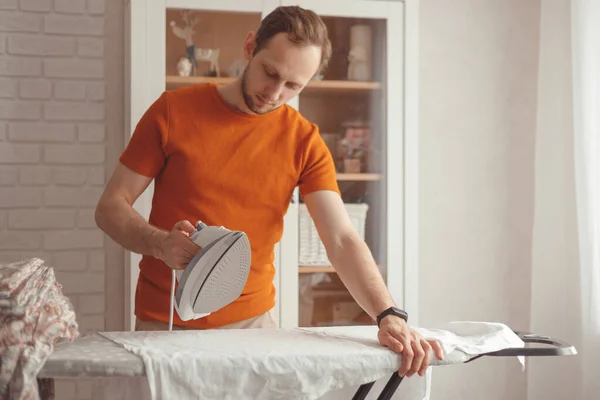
[(249, 45)]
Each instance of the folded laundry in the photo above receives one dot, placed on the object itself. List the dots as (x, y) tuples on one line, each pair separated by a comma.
[(34, 317)]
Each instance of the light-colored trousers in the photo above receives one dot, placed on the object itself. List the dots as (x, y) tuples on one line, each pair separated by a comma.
[(265, 320)]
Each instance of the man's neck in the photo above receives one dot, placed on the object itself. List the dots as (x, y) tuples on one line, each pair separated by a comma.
[(232, 94)]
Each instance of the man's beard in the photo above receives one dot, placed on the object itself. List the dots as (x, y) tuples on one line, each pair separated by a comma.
[(247, 98), (245, 95)]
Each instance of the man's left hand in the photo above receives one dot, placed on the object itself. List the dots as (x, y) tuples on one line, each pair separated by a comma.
[(395, 334)]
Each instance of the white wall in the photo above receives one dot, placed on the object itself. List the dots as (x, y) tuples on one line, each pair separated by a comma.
[(477, 116), (58, 99)]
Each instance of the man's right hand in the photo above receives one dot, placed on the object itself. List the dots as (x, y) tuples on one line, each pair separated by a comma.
[(176, 248)]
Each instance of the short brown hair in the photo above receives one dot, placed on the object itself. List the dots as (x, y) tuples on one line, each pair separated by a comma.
[(303, 27)]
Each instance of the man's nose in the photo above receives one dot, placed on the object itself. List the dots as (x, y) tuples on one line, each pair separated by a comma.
[(274, 92)]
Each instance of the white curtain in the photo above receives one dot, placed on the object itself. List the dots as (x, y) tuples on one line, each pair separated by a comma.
[(566, 242)]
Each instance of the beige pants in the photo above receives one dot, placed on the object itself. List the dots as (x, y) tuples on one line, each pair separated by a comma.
[(263, 321)]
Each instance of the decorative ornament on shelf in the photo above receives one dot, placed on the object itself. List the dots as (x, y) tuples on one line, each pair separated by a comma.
[(354, 146), (187, 34), (211, 56), (193, 53), (184, 67), (359, 56)]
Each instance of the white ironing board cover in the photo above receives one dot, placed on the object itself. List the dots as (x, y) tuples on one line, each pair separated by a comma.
[(302, 363)]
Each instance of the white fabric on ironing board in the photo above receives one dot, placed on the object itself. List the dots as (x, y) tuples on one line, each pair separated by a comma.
[(303, 363)]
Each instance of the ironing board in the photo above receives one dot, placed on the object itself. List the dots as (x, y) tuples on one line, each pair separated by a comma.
[(98, 357), (557, 348)]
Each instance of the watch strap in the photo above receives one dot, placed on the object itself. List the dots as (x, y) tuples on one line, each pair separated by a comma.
[(392, 311)]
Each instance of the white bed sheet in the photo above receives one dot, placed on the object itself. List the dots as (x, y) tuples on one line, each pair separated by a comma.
[(304, 363)]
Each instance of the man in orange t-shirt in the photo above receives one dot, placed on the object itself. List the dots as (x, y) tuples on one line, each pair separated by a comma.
[(231, 156)]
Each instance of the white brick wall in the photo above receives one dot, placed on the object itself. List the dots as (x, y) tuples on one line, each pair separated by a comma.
[(52, 147)]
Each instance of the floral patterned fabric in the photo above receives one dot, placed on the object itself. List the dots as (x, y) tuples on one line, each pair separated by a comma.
[(35, 316)]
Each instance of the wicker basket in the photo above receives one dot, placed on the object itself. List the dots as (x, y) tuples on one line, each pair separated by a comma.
[(312, 251)]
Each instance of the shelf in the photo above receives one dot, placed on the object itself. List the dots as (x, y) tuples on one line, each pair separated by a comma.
[(342, 85), (315, 269), (358, 177), (174, 81)]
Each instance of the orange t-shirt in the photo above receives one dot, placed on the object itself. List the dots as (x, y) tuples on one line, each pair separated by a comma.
[(213, 163)]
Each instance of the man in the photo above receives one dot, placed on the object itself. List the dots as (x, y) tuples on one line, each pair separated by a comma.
[(231, 156)]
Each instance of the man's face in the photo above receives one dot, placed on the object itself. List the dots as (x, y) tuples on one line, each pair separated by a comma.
[(277, 73)]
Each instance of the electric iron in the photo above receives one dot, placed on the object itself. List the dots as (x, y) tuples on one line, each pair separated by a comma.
[(215, 276)]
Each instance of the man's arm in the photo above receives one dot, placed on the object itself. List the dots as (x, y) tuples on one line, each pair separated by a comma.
[(355, 266), (117, 218), (348, 253)]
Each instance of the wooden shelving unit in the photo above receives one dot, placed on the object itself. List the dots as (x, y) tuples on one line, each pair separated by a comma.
[(375, 100), (174, 81)]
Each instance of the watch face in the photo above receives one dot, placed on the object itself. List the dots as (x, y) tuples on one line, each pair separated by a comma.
[(400, 312)]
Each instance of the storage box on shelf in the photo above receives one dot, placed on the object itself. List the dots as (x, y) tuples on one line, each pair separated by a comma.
[(324, 301), (312, 251)]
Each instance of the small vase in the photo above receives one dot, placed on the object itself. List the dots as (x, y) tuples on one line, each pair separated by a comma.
[(352, 165)]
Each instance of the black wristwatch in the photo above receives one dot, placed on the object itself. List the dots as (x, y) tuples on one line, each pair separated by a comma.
[(392, 311)]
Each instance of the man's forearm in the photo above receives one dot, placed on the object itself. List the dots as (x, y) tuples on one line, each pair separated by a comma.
[(356, 268), (126, 227)]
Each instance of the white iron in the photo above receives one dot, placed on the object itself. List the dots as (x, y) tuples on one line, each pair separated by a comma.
[(215, 277)]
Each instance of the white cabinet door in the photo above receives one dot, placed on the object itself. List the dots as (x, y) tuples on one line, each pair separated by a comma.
[(145, 74), (359, 106), (386, 99)]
